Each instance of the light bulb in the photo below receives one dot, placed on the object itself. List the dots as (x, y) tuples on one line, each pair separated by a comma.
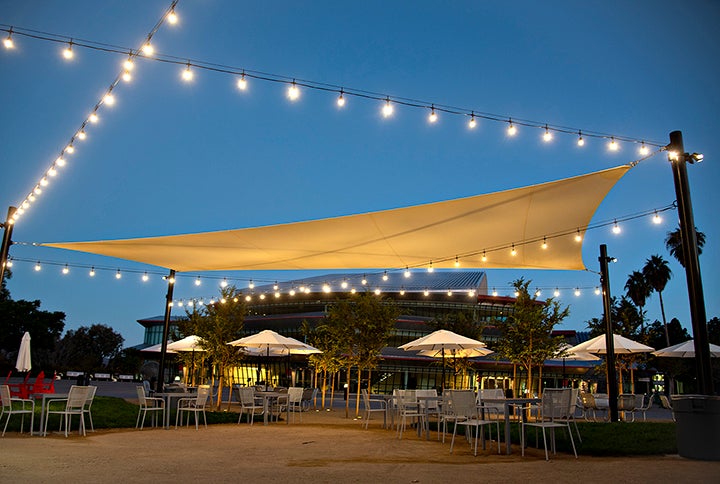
[(66, 269), (129, 64), (597, 291), (187, 74), (353, 290), (118, 275), (385, 276), (613, 145), (513, 252), (511, 130), (616, 228), (557, 292), (472, 123), (197, 281), (544, 243), (38, 190), (426, 292), (326, 288), (38, 267), (484, 257), (407, 272), (377, 291), (68, 52), (581, 140), (657, 219), (547, 136), (9, 263), (430, 267), (293, 93), (82, 135), (577, 291), (341, 100), (494, 292), (8, 42), (578, 236), (248, 298), (145, 277), (449, 293), (242, 83), (148, 49), (109, 99), (344, 284), (387, 109), (70, 149), (277, 294), (516, 294), (538, 292), (457, 262), (52, 171), (93, 118), (402, 291), (251, 284), (363, 281), (172, 17), (224, 282), (126, 76), (44, 182), (471, 293), (92, 272), (433, 117), (644, 150), (292, 292)]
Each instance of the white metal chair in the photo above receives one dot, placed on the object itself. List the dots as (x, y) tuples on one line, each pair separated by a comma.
[(294, 401), (492, 408), (248, 404), (10, 409), (430, 404), (665, 403), (642, 406), (466, 412), (408, 408), (368, 401), (552, 414), (87, 409), (570, 418), (148, 404), (194, 405), (74, 405)]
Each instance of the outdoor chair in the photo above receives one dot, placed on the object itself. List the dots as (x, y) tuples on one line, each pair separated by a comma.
[(570, 418), (367, 403), (294, 401), (492, 408), (88, 405), (466, 414), (279, 404), (74, 405), (308, 398), (194, 405), (626, 405), (148, 391), (590, 405), (665, 403), (408, 408), (10, 409), (40, 386), (553, 413), (20, 390), (430, 405), (148, 404), (248, 405), (642, 406)]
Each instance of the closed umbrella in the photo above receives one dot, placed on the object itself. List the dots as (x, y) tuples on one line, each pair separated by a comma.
[(443, 341), (685, 350), (23, 363)]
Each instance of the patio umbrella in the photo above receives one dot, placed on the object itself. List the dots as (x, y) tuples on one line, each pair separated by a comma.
[(158, 348), (268, 340), (685, 350), (23, 363), (567, 354), (443, 341), (622, 345), (190, 343)]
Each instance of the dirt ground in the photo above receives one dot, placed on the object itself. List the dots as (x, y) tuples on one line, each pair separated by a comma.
[(325, 447)]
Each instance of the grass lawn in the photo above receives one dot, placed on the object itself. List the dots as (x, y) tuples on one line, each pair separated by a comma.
[(599, 439)]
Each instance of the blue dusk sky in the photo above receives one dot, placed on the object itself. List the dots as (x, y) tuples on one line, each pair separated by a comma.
[(173, 157)]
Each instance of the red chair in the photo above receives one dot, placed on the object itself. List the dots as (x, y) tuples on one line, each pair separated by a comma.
[(20, 390), (41, 387)]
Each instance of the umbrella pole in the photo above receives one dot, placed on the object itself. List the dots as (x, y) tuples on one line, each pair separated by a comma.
[(442, 384)]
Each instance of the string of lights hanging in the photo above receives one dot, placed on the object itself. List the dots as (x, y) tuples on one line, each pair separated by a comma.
[(107, 99), (241, 77)]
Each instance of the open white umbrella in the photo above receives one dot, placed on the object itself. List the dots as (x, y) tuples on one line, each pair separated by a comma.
[(685, 350), (267, 340), (466, 353), (189, 343), (23, 363), (443, 341), (622, 345), (158, 348)]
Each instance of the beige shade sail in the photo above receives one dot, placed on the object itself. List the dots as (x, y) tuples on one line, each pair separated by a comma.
[(404, 237)]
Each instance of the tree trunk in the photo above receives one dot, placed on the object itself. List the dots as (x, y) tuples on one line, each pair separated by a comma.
[(324, 389), (662, 311), (357, 397), (347, 391), (515, 382), (529, 380), (540, 387)]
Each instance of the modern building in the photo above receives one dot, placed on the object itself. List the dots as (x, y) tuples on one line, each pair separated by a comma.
[(421, 297)]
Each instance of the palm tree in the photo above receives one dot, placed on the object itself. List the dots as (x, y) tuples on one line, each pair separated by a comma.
[(673, 242), (657, 274), (638, 290)]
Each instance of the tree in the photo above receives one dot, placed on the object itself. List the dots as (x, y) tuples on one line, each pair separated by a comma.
[(713, 328), (45, 328), (638, 290), (656, 333), (88, 348), (657, 273), (673, 242), (624, 316), (329, 362), (526, 332), (217, 324)]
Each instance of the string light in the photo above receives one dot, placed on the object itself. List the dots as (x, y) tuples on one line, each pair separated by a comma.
[(616, 228), (457, 261), (450, 293), (68, 52), (580, 140), (293, 92), (402, 290), (557, 292), (430, 267), (251, 284), (363, 281), (578, 236), (511, 130), (613, 145), (109, 99), (187, 74), (385, 276), (433, 117), (426, 293), (344, 284), (494, 292), (538, 292), (326, 288), (597, 291), (172, 16), (198, 281), (484, 257), (657, 219), (93, 118), (70, 149), (224, 283), (472, 123), (92, 272), (145, 277), (407, 272), (275, 286), (118, 275), (341, 99), (377, 291), (8, 42), (66, 269), (148, 49), (547, 136), (544, 245), (577, 291), (387, 109), (644, 150), (82, 135), (513, 252), (242, 83)]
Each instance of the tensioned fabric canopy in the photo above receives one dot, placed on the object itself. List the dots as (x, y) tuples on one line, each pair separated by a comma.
[(403, 237)]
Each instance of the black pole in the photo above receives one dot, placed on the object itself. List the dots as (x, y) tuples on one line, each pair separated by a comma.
[(166, 331), (6, 242), (609, 341), (678, 160)]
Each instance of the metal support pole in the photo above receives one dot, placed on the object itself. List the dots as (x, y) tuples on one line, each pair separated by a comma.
[(609, 341), (678, 160), (6, 242), (166, 331)]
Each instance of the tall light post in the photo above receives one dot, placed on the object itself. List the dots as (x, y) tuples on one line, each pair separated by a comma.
[(609, 332), (166, 330), (678, 160)]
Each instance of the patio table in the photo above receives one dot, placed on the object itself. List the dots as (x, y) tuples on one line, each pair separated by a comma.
[(267, 397), (423, 400), (506, 405)]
